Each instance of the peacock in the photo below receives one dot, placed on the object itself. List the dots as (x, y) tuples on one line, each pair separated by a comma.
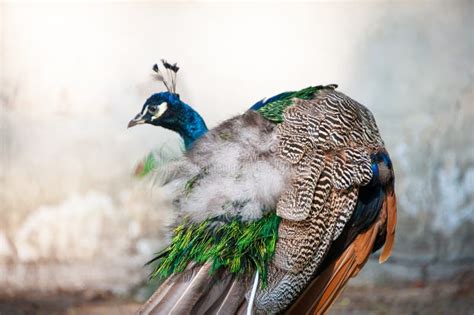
[(276, 208)]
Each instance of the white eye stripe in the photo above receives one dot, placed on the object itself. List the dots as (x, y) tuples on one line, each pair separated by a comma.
[(161, 109)]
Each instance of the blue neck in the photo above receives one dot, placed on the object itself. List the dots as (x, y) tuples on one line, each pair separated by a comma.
[(195, 127), (189, 125)]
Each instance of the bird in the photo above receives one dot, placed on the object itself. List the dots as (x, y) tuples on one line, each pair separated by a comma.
[(276, 208)]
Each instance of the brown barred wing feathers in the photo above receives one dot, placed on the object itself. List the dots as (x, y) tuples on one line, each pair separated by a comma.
[(328, 139)]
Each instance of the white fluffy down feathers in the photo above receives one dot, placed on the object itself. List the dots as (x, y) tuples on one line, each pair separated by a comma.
[(233, 170)]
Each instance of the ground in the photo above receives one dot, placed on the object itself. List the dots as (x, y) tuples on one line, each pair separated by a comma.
[(413, 298)]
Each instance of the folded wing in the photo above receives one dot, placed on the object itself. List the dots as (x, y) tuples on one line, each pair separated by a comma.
[(330, 140)]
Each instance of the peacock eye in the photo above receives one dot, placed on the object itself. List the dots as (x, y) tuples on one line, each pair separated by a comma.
[(152, 109)]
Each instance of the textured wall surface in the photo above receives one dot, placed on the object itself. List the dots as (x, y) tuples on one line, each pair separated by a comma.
[(74, 218)]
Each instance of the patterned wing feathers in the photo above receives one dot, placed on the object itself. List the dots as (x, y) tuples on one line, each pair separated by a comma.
[(321, 293), (331, 126), (298, 239), (328, 139), (295, 203)]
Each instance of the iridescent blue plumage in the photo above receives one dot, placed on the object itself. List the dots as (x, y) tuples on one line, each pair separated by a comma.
[(372, 195)]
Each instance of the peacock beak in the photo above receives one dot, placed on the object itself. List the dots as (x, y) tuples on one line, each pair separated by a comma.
[(136, 121)]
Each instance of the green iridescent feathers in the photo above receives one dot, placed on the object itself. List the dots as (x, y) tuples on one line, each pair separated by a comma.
[(145, 166), (238, 246), (273, 111)]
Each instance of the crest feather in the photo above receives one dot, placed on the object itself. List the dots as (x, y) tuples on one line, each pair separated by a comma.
[(169, 80)]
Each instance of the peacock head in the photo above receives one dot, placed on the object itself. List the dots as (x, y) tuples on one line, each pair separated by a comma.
[(161, 109), (166, 110)]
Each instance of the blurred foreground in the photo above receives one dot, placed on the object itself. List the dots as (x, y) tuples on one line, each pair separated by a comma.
[(455, 297)]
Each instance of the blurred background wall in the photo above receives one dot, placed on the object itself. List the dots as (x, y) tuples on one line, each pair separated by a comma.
[(72, 216)]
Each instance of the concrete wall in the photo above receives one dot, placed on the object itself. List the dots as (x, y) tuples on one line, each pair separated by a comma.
[(72, 75)]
